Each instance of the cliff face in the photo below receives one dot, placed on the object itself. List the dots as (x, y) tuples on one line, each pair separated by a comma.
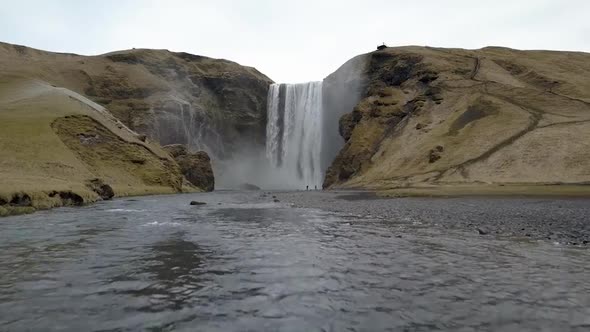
[(448, 116), (170, 97)]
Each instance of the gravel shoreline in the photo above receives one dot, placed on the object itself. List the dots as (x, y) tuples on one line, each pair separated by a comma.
[(562, 220)]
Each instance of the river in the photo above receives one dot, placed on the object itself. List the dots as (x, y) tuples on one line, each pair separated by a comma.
[(246, 263)]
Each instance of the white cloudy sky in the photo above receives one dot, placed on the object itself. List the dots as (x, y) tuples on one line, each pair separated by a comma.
[(296, 40)]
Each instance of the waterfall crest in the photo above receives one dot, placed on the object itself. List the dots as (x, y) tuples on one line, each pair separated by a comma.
[(294, 133)]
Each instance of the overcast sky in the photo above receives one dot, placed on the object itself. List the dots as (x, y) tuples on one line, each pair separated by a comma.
[(292, 41)]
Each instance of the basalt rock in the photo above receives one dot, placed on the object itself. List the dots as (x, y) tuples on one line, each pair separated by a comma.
[(176, 150), (103, 190), (347, 123), (196, 167), (20, 199)]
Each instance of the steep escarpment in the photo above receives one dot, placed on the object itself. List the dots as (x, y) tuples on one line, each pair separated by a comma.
[(171, 97), (431, 116)]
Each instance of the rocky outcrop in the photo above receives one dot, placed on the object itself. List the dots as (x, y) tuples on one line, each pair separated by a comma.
[(196, 167), (103, 190), (446, 116)]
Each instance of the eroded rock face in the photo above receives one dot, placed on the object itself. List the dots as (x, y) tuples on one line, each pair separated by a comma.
[(176, 150), (347, 123), (196, 167), (225, 101), (103, 190)]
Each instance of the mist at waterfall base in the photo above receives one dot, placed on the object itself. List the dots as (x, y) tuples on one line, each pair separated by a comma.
[(302, 138), (292, 157)]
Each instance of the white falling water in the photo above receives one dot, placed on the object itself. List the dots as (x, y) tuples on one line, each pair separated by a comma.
[(294, 133), (272, 124)]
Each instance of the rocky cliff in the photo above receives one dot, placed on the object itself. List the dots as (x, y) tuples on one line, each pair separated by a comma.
[(430, 116)]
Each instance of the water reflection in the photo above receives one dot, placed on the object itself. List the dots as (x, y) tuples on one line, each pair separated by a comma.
[(163, 265), (175, 273)]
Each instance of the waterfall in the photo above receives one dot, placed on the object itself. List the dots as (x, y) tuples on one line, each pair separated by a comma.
[(294, 133)]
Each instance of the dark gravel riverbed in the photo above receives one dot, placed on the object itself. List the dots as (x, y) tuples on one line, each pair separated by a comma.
[(563, 221)]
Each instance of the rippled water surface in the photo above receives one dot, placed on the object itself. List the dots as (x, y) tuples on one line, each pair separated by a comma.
[(243, 263)]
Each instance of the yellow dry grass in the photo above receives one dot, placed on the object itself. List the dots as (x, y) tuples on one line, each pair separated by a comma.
[(501, 115), (36, 161)]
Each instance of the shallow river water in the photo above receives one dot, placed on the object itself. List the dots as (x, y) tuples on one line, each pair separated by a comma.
[(245, 263)]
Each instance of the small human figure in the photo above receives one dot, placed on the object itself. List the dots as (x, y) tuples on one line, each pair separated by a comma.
[(316, 187), (306, 187)]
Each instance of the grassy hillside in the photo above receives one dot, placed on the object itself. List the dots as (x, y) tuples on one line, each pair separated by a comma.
[(53, 142), (67, 119), (168, 96), (439, 117)]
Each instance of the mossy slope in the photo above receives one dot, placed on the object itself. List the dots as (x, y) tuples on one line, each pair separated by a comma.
[(431, 116), (48, 156)]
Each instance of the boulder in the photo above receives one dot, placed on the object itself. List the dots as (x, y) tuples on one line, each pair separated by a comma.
[(482, 231), (101, 189), (196, 167)]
